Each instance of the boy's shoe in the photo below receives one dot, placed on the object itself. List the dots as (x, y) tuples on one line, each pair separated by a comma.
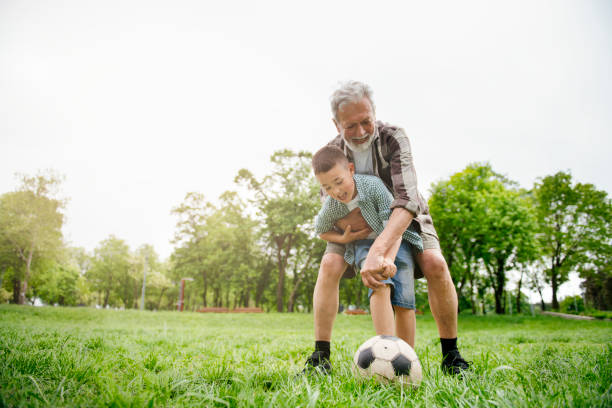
[(317, 362), (454, 364)]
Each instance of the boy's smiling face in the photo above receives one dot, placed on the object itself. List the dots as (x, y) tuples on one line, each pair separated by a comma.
[(338, 182)]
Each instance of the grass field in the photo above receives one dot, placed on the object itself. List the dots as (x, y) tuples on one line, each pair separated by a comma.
[(86, 357)]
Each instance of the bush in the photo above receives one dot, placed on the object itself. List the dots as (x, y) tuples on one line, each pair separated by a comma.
[(5, 295), (600, 314), (572, 304)]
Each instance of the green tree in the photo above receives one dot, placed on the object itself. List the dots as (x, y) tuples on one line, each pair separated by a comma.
[(217, 245), (482, 219), (573, 227), (10, 266), (286, 202), (536, 277), (510, 233), (459, 207), (596, 270), (158, 284), (144, 256), (31, 222), (187, 260), (56, 283), (110, 266)]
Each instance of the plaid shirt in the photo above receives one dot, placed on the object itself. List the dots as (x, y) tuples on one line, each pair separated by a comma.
[(374, 203), (392, 159)]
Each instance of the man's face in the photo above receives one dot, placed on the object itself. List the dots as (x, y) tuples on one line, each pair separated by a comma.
[(356, 124), (338, 182)]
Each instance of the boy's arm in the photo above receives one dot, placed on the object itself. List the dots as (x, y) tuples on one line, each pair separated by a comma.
[(346, 237), (324, 224)]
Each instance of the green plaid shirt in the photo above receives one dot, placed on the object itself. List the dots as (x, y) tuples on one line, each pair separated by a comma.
[(375, 205)]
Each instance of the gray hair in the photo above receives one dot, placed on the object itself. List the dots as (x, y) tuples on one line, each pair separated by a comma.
[(350, 92)]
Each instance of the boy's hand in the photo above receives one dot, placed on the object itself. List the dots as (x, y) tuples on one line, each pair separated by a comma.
[(350, 236), (389, 268)]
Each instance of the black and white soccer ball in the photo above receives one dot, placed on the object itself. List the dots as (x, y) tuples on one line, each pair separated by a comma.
[(388, 359)]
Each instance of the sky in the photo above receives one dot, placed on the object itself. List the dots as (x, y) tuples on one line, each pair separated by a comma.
[(138, 102)]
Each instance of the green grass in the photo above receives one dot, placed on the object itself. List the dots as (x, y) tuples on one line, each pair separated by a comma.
[(86, 357)]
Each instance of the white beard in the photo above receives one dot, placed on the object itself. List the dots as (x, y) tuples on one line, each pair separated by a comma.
[(362, 147)]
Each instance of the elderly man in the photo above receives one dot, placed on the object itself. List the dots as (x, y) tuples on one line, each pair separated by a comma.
[(382, 150)]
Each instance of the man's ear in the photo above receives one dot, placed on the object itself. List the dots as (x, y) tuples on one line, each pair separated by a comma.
[(337, 125)]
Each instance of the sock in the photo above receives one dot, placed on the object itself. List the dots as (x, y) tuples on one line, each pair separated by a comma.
[(323, 347), (448, 345)]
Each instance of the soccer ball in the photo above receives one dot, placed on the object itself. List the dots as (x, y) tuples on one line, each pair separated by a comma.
[(388, 359)]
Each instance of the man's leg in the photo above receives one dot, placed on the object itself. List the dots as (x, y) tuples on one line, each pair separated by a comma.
[(325, 302), (443, 305), (440, 290)]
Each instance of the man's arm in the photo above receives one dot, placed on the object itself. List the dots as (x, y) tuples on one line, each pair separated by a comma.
[(406, 205), (376, 263), (403, 174)]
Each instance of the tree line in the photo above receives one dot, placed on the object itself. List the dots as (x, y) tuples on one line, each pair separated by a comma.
[(258, 248)]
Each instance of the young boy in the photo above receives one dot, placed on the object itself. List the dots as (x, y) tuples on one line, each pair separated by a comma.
[(346, 191)]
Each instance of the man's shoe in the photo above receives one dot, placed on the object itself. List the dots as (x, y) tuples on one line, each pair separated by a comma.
[(454, 364), (317, 362)]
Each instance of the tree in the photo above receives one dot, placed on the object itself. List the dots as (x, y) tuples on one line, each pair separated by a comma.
[(31, 222), (597, 268), (10, 266), (510, 238), (144, 256), (56, 283), (482, 219), (573, 226), (190, 240), (217, 245), (460, 213), (110, 267), (536, 277), (286, 203)]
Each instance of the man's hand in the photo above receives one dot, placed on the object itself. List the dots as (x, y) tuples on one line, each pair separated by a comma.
[(358, 224), (373, 271)]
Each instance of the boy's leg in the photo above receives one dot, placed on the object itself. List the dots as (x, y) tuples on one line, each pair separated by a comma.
[(380, 299), (405, 324), (381, 311), (403, 298)]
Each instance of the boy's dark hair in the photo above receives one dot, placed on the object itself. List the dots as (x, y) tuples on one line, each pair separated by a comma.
[(326, 158)]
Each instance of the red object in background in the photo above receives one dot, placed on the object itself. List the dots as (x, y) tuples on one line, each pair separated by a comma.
[(181, 303)]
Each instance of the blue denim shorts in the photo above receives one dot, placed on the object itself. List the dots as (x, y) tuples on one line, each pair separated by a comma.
[(402, 284)]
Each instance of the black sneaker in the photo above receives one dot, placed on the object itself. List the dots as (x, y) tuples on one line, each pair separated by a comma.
[(454, 364), (317, 362)]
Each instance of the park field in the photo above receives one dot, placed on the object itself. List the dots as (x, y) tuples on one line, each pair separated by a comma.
[(86, 357)]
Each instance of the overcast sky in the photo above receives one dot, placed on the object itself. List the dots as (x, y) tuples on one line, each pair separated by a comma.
[(139, 102)]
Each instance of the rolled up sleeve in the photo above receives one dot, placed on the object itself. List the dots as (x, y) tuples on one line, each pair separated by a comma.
[(403, 174)]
